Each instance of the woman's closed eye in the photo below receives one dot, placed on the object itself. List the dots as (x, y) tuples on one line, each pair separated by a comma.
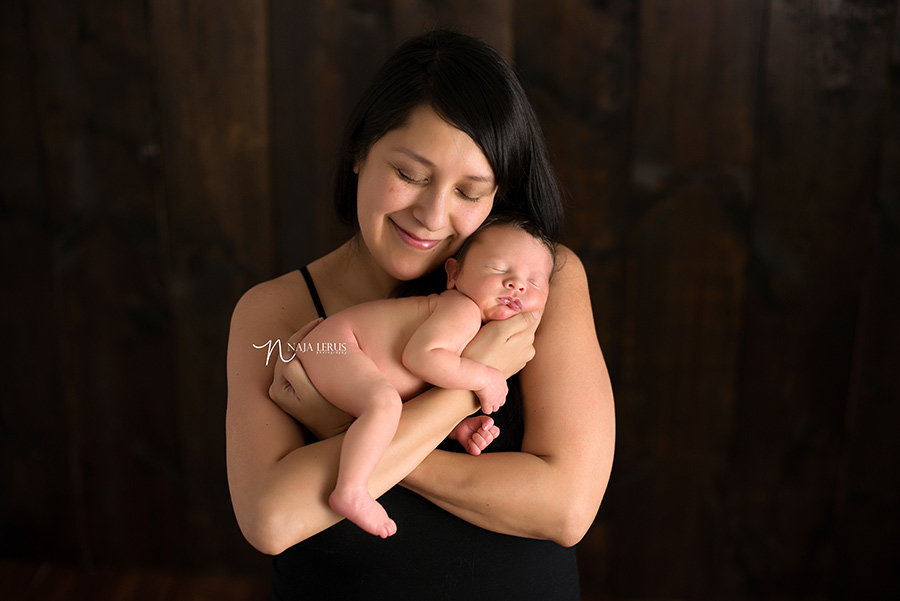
[(466, 196), (408, 178)]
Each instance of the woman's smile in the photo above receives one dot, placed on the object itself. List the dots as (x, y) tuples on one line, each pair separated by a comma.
[(414, 241)]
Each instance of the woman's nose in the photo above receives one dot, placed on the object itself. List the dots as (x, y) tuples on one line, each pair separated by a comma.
[(431, 210)]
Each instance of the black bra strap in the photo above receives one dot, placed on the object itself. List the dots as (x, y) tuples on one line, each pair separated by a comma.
[(312, 291)]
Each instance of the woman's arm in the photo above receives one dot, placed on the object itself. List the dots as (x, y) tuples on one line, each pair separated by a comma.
[(279, 484), (553, 488), (433, 351)]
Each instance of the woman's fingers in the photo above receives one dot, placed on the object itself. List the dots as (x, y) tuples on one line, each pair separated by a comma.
[(520, 327), (282, 390), (505, 345), (527, 325), (293, 391), (290, 380)]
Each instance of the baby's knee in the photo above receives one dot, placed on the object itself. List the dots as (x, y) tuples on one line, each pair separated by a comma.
[(386, 399)]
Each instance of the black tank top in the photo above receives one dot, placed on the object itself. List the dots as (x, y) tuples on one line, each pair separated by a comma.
[(433, 556)]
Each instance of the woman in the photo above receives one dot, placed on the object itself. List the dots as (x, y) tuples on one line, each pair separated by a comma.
[(443, 136)]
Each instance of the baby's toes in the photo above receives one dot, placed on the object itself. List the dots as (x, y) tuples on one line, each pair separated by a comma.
[(388, 528)]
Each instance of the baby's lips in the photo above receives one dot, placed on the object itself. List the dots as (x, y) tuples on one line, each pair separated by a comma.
[(512, 303)]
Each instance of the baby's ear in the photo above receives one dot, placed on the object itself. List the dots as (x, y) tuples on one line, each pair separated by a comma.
[(452, 267)]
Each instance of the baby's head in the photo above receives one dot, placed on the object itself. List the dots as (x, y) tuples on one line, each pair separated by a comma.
[(505, 267)]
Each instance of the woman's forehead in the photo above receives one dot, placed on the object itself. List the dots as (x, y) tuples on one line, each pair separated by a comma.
[(428, 139)]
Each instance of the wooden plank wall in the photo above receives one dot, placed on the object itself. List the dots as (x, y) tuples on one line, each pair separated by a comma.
[(731, 168)]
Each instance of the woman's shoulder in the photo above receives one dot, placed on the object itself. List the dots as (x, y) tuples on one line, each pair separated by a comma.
[(570, 296), (284, 299), (288, 284), (568, 266)]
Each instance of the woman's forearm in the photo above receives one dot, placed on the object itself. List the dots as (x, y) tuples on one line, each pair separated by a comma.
[(496, 491), (291, 501), (513, 493)]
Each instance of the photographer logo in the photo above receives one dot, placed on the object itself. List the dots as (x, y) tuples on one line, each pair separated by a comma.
[(319, 348)]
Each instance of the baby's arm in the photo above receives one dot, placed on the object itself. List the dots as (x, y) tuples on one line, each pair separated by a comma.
[(433, 352)]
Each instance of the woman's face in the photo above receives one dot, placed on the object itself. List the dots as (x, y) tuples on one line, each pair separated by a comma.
[(423, 188)]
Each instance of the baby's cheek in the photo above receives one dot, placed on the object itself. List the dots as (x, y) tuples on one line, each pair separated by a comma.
[(535, 305)]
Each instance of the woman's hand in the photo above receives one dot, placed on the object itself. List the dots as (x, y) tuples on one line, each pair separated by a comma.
[(292, 391), (505, 345)]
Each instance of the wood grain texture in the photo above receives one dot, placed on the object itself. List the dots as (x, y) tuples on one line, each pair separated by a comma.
[(56, 582), (730, 173), (819, 142), (35, 449), (101, 290), (322, 56), (686, 255), (212, 71), (863, 495)]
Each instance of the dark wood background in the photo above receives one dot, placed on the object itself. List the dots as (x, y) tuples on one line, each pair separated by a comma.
[(733, 173)]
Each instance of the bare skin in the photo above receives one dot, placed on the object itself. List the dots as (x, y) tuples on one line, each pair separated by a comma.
[(354, 358), (280, 478)]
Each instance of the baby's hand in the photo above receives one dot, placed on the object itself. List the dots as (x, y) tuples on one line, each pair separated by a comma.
[(475, 433), (493, 396)]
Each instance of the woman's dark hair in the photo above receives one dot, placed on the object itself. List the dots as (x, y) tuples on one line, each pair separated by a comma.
[(471, 86)]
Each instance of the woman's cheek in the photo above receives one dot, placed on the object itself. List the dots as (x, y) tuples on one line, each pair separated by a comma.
[(472, 217)]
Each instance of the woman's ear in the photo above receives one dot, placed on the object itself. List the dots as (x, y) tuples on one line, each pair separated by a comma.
[(452, 267)]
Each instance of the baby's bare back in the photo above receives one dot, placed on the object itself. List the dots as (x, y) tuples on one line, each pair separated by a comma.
[(380, 330)]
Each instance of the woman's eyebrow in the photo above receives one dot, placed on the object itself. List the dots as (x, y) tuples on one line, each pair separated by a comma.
[(420, 159)]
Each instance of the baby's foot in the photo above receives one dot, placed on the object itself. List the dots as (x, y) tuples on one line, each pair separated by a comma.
[(360, 508)]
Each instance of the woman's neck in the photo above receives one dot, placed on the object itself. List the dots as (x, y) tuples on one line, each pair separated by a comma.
[(349, 275)]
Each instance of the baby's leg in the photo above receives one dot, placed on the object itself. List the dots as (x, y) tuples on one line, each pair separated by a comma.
[(364, 445), (353, 383)]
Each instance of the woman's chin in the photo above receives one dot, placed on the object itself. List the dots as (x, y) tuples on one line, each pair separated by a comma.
[(406, 270)]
